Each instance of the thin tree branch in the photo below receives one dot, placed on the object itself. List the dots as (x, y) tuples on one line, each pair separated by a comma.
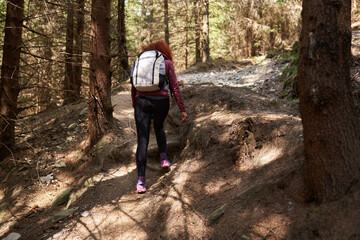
[(36, 32)]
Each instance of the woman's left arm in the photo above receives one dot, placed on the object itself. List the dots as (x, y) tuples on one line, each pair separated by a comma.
[(174, 86)]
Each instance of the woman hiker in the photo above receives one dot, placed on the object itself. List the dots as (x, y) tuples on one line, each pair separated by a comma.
[(155, 105)]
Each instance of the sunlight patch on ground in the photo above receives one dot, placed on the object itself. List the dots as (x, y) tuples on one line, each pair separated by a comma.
[(122, 171), (123, 93), (267, 155), (123, 114), (272, 116), (43, 198), (191, 165), (73, 155), (217, 116), (185, 222), (102, 222), (214, 187), (181, 219), (275, 225), (114, 173), (263, 157), (123, 109), (201, 120)]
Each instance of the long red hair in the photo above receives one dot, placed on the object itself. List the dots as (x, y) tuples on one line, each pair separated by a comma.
[(161, 46)]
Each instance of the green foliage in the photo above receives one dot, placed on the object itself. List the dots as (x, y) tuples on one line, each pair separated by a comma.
[(238, 29), (251, 28), (289, 73), (143, 24), (219, 23)]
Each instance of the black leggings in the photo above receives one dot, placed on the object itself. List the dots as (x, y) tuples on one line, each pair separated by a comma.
[(147, 108)]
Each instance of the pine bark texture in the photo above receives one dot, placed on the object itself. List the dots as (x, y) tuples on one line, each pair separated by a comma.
[(205, 32), (100, 108), (43, 93), (331, 132), (9, 85), (197, 12), (166, 22), (69, 94), (78, 47), (186, 34), (123, 52)]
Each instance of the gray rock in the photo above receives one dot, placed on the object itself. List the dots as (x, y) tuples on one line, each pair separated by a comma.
[(85, 214), (62, 197), (66, 212), (12, 236), (47, 178), (84, 111), (218, 213), (59, 164), (72, 126)]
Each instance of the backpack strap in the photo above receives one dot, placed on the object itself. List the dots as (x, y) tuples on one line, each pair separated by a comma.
[(167, 77)]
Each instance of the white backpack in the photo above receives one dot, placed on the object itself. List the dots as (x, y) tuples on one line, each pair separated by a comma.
[(148, 73)]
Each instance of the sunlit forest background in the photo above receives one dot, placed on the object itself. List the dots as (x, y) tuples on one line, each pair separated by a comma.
[(238, 29)]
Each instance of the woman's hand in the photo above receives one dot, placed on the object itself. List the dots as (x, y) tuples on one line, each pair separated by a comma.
[(184, 117)]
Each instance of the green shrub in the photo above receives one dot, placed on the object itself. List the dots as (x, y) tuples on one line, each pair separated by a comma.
[(289, 73)]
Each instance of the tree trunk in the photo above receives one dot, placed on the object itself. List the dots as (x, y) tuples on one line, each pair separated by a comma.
[(272, 35), (123, 53), (197, 11), (147, 11), (9, 85), (205, 32), (43, 94), (249, 41), (69, 95), (331, 132), (100, 109), (78, 49), (46, 77), (166, 22), (186, 34), (285, 29)]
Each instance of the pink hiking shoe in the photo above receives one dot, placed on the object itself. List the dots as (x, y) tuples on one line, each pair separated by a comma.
[(140, 187), (165, 163)]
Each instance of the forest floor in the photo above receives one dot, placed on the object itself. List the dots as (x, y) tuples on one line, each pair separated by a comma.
[(236, 172)]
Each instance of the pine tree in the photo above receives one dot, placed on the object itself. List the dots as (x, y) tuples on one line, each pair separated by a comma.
[(9, 85), (100, 109), (331, 126)]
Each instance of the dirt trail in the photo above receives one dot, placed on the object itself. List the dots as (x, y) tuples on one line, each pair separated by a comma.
[(238, 137), (240, 153), (216, 166)]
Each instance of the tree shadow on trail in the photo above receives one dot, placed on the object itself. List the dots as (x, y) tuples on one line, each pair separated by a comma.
[(103, 203), (43, 221), (258, 197), (204, 177)]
